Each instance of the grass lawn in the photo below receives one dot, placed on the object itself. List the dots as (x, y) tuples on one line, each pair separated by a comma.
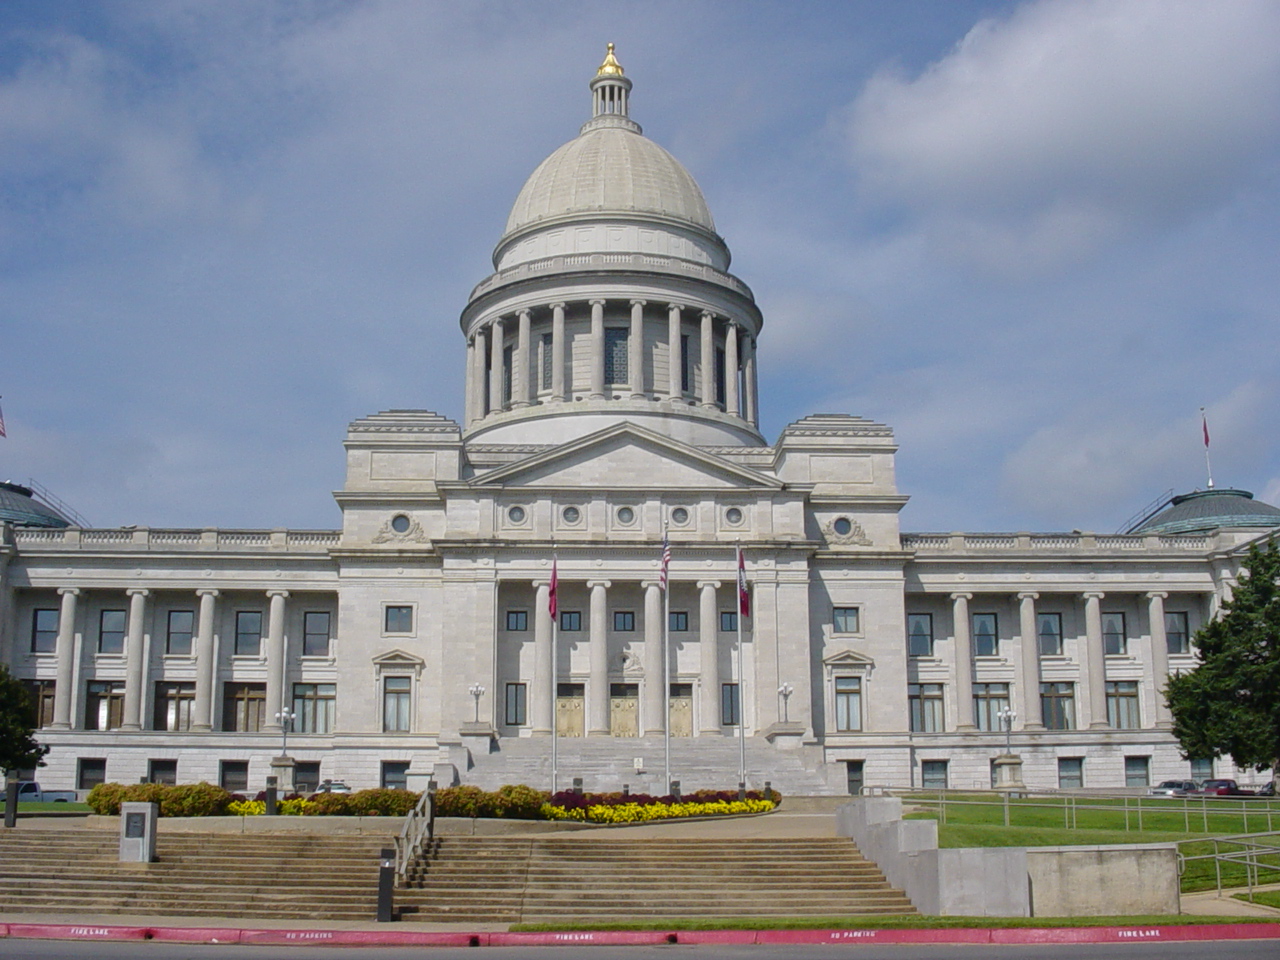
[(1269, 898), (887, 923), (26, 807)]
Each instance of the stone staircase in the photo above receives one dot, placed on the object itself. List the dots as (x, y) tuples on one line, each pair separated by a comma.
[(605, 764), (602, 879), (198, 875)]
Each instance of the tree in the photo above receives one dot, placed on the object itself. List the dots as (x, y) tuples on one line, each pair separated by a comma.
[(18, 748), (1230, 703)]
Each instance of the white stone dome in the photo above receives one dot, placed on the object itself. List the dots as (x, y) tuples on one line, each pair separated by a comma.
[(610, 168)]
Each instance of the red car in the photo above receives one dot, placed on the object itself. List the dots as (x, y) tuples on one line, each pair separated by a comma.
[(1223, 788)]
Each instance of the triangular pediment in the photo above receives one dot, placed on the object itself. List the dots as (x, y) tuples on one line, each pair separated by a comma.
[(626, 456), (848, 659), (398, 659)]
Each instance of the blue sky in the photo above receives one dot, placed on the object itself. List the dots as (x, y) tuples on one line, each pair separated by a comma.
[(1034, 237)]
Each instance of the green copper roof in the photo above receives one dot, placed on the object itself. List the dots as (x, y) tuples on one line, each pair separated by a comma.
[(1211, 509), (20, 507)]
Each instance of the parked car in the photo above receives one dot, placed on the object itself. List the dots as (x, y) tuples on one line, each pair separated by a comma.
[(1223, 788), (333, 786), (29, 792), (1174, 788)]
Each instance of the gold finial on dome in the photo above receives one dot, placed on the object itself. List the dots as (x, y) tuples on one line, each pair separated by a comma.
[(611, 67)]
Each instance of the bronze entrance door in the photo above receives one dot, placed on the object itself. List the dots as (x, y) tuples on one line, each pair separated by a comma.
[(681, 711), (570, 710), (624, 709)]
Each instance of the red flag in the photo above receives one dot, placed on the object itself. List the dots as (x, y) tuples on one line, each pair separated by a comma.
[(1204, 422), (744, 599), (666, 561), (551, 595), (2, 433)]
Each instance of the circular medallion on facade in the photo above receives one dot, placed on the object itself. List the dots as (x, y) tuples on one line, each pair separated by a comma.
[(400, 523), (516, 514), (571, 514), (843, 526), (626, 515), (679, 516), (733, 515)]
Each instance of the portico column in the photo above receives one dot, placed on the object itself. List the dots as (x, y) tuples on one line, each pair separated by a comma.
[(497, 398), (134, 674), (675, 355), (205, 666), (597, 349), (598, 661), (523, 395), (542, 708), (731, 370), (753, 398), (1029, 709), (653, 632), (478, 382), (557, 351), (1159, 658), (707, 395), (964, 661), (709, 654), (66, 658), (1094, 670), (275, 658), (635, 350)]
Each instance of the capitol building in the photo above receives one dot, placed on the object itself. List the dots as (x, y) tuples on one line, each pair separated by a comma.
[(612, 368)]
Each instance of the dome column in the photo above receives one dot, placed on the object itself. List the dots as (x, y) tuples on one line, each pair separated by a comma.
[(496, 398), (557, 352), (477, 377), (521, 373), (635, 350), (707, 393), (469, 397), (597, 349), (675, 356), (731, 369), (753, 397)]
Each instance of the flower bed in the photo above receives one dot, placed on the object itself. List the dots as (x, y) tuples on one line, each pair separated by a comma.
[(643, 808)]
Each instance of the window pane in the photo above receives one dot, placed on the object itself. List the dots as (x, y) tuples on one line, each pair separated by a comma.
[(516, 703), (243, 705), (615, 354), (679, 621), (315, 633), (728, 621), (546, 361), (234, 775), (1049, 629), (1071, 773), (395, 704), (925, 703), (399, 619), (624, 621), (162, 771), (844, 619), (729, 704), (933, 774), (111, 627), (920, 634), (1058, 705), (517, 621), (248, 633), (985, 643), (1175, 632), (988, 700), (848, 704), (181, 627), (1122, 704), (1137, 771), (571, 621), (1114, 639), (90, 771), (1202, 769), (395, 774), (44, 631), (306, 775)]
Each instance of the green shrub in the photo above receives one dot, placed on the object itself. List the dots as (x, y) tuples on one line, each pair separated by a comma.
[(382, 802), (518, 802), (104, 799), (181, 800), (331, 805), (464, 801)]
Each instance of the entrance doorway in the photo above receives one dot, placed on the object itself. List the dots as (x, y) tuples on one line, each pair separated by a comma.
[(570, 710), (624, 710), (681, 715)]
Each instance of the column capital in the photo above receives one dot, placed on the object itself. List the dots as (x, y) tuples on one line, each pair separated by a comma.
[(962, 596), (651, 584), (137, 592), (708, 314), (704, 584), (539, 584), (1093, 595), (282, 594), (68, 591), (677, 306), (523, 313), (208, 592), (558, 305), (637, 302), (592, 584), (1153, 594), (1027, 595), (597, 302)]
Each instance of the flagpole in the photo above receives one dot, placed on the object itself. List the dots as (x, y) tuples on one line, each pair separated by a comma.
[(553, 601), (666, 669), (1204, 422), (742, 687)]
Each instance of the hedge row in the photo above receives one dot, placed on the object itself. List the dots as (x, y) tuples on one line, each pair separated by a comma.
[(206, 800)]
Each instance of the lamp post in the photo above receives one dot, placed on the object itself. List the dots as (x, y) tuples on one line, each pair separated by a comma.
[(476, 691), (1006, 716), (285, 718), (785, 691)]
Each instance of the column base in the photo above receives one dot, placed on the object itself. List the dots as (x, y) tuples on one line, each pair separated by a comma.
[(1033, 726), (1099, 725), (202, 728), (540, 732), (131, 727), (599, 733), (966, 728)]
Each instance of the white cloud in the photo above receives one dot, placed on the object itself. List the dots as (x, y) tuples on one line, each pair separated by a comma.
[(1042, 136)]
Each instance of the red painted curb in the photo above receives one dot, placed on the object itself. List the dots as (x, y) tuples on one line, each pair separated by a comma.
[(716, 936), (422, 938), (194, 934), (569, 938), (64, 931), (944, 935), (1215, 931)]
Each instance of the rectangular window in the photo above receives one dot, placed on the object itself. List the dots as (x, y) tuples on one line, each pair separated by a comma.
[(933, 774), (546, 361), (42, 699), (615, 354), (1202, 769), (182, 624), (1071, 773), (854, 776), (306, 776), (395, 774), (1176, 635), (729, 712), (844, 619), (104, 705), (90, 771), (988, 700), (571, 621), (848, 704), (517, 621), (1115, 641), (924, 701), (679, 622), (395, 704), (314, 707), (111, 625), (233, 775), (174, 703), (1058, 705), (728, 621), (315, 633), (44, 631), (162, 771), (248, 633), (517, 704), (1049, 632), (1122, 704), (920, 634), (397, 619), (986, 642), (508, 356), (624, 621), (1137, 771), (243, 706), (686, 365)]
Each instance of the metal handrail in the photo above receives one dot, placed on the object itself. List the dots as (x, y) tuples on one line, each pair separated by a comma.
[(419, 827), (1250, 848)]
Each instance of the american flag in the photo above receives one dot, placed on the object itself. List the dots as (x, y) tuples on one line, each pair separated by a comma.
[(666, 560), (551, 594), (744, 599)]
